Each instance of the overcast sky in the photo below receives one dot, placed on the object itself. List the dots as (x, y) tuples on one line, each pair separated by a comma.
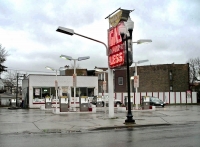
[(28, 31)]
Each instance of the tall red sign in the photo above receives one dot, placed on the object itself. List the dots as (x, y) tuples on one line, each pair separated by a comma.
[(116, 48)]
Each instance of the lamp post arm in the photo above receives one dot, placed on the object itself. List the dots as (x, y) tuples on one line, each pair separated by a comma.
[(93, 40)]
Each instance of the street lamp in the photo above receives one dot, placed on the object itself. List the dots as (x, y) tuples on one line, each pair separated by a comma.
[(104, 78), (56, 82), (135, 75), (125, 37), (74, 75), (143, 41), (110, 73), (104, 83)]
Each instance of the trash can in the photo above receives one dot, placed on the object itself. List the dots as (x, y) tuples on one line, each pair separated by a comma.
[(47, 103), (64, 104), (145, 102), (84, 102)]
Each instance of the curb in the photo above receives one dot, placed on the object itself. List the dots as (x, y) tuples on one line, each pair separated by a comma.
[(128, 126)]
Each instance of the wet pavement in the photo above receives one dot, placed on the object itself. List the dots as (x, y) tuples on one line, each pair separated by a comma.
[(44, 121)]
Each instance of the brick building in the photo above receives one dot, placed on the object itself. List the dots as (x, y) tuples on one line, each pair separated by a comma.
[(155, 78)]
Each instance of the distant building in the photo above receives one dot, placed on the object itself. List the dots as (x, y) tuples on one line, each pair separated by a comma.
[(156, 78)]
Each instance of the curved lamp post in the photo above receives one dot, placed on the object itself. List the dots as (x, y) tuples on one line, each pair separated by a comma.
[(104, 78), (110, 73), (104, 82), (126, 36), (136, 88), (141, 61), (56, 82), (74, 76)]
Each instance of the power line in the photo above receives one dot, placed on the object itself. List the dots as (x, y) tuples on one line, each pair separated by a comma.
[(29, 70)]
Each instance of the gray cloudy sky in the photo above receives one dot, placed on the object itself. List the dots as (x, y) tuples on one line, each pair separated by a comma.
[(28, 31)]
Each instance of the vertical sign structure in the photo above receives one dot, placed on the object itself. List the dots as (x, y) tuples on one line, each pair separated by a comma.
[(74, 80), (56, 85), (104, 85), (116, 47), (136, 81)]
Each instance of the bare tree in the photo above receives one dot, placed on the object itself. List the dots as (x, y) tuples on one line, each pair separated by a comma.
[(10, 80), (194, 69), (3, 55)]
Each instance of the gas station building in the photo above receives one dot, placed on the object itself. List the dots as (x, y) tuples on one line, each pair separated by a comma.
[(37, 88)]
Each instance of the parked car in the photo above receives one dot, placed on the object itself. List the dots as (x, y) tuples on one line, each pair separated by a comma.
[(154, 101), (102, 100)]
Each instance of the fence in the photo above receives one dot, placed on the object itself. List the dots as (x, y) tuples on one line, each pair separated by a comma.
[(168, 97)]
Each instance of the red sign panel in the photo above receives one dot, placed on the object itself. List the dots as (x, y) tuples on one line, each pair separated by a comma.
[(116, 48)]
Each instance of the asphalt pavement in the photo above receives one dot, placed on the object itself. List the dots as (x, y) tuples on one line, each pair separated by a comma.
[(13, 121)]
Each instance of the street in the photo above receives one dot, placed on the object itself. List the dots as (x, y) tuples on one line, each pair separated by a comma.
[(185, 135), (174, 126)]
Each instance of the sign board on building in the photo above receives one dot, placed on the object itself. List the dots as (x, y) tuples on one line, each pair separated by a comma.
[(136, 81)]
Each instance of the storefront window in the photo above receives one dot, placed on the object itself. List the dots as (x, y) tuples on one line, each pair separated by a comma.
[(37, 93), (53, 92), (45, 92), (82, 91), (90, 91), (72, 92)]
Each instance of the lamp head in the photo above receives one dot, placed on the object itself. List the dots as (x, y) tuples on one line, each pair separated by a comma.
[(142, 61), (129, 24), (98, 70), (49, 68), (66, 57), (62, 68), (83, 58), (65, 31), (144, 41)]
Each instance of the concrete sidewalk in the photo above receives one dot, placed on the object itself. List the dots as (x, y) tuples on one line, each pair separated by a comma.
[(40, 121)]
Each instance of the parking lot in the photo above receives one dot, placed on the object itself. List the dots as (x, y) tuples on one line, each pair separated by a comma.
[(36, 120)]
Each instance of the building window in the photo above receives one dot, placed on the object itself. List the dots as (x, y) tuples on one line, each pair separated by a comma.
[(100, 76), (171, 88), (120, 80), (170, 75)]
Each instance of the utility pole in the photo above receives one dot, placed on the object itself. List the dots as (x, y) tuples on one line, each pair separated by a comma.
[(17, 89)]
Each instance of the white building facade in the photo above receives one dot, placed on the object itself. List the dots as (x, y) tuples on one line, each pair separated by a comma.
[(38, 87)]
